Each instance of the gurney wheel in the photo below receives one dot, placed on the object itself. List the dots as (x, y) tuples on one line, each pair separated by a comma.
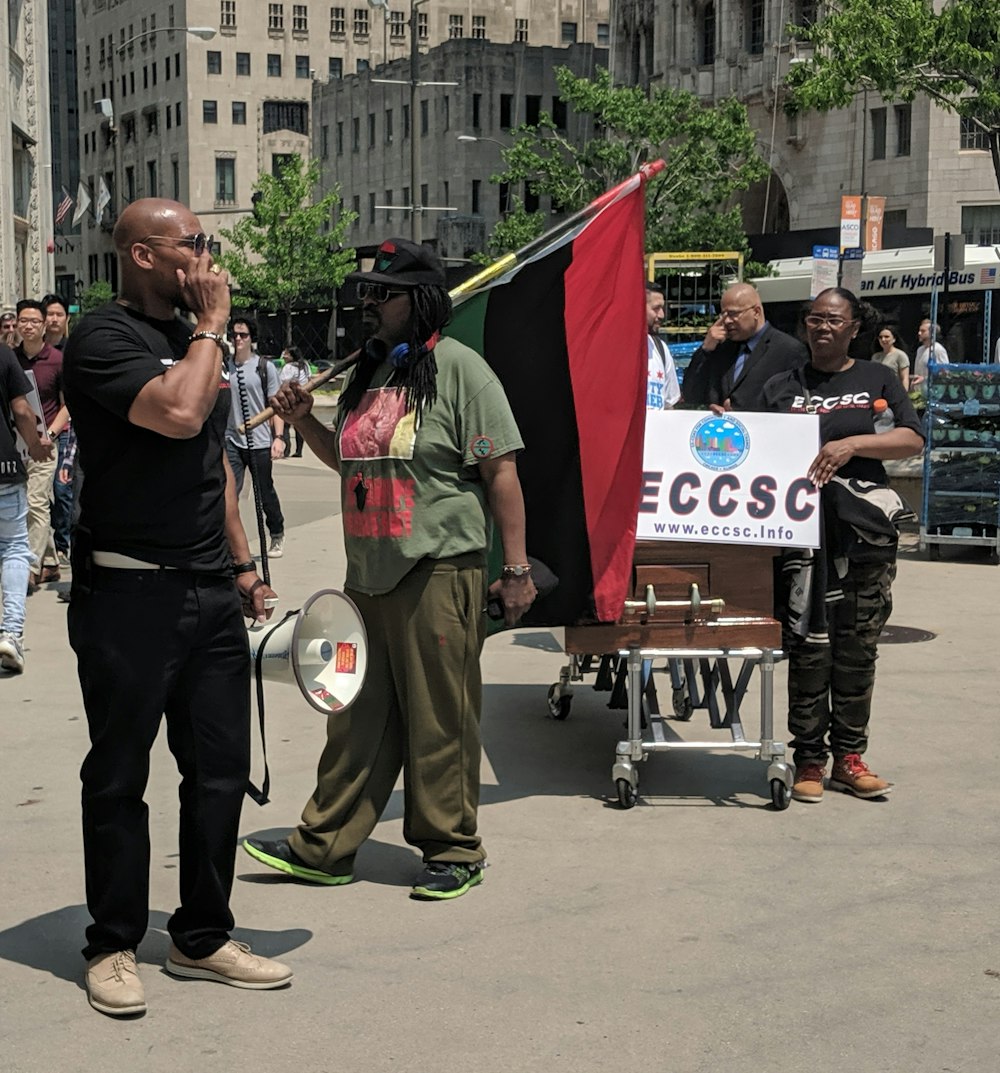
[(781, 794), (627, 793), (559, 702), (683, 707)]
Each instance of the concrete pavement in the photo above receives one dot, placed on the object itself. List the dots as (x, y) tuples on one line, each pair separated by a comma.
[(697, 933)]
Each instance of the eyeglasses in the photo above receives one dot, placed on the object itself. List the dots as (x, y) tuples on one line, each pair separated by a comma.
[(199, 243), (377, 292), (241, 335), (732, 314), (815, 320), (30, 322)]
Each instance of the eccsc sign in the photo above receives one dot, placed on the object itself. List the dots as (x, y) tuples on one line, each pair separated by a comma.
[(730, 479)]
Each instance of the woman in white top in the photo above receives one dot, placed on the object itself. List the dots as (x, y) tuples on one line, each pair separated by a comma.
[(295, 368), (891, 355)]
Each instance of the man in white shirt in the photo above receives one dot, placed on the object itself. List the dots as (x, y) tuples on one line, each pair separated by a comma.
[(662, 389), (923, 357)]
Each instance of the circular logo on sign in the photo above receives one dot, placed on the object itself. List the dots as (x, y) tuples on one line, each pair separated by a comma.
[(482, 447), (720, 443)]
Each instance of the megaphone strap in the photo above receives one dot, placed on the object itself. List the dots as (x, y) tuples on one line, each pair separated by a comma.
[(260, 795)]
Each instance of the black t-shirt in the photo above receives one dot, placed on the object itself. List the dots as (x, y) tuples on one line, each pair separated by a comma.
[(13, 383), (145, 495), (844, 402)]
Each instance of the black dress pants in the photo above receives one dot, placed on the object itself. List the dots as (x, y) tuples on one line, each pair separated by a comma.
[(148, 644)]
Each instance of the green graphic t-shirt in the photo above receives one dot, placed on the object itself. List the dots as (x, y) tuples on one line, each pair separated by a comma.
[(412, 491)]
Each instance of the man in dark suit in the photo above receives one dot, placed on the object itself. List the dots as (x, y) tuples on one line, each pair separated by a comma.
[(740, 353)]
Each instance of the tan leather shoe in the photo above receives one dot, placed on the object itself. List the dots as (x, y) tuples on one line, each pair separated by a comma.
[(113, 984), (232, 964), (808, 784), (852, 775)]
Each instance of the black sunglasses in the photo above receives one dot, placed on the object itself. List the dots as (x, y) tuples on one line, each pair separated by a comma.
[(241, 335), (377, 292), (199, 243)]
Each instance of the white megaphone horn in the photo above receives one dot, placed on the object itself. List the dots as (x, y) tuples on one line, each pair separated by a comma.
[(323, 649)]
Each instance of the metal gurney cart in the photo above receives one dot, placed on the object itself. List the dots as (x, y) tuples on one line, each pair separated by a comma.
[(690, 602)]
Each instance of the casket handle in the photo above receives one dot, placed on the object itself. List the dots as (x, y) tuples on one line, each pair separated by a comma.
[(694, 604)]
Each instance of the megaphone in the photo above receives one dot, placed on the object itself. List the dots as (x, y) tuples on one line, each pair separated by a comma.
[(323, 649)]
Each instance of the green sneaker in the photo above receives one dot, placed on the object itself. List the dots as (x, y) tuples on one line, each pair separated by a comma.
[(281, 856), (446, 879)]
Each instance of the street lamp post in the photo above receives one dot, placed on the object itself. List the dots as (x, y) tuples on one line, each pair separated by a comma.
[(466, 138), (204, 33)]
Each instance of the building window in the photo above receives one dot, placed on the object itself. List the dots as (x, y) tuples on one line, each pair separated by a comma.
[(521, 31), (755, 27), (447, 195), (301, 66), (477, 105), (130, 183), (371, 208), (878, 133), (286, 115), (455, 25), (981, 224), (603, 35), (388, 126), (280, 161), (903, 129), (177, 66), (356, 208), (424, 198), (175, 179), (479, 27), (446, 110), (388, 209), (152, 121), (476, 194), (325, 142), (340, 137), (338, 22), (273, 65), (972, 136), (371, 130), (706, 35), (568, 33), (422, 30), (405, 202), (406, 121), (177, 114), (805, 12), (355, 134), (397, 25), (152, 180), (239, 113), (276, 17), (300, 19), (532, 109), (209, 112), (531, 200), (153, 70), (225, 181), (170, 118), (214, 62), (336, 70), (424, 118), (361, 66), (361, 24), (243, 63), (558, 113), (227, 15)]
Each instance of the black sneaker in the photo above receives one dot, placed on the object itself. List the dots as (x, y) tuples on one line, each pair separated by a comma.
[(446, 879), (281, 856)]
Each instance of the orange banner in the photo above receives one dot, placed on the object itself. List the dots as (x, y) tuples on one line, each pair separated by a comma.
[(875, 214), (850, 222)]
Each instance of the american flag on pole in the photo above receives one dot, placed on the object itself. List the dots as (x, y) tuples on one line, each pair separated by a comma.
[(62, 209)]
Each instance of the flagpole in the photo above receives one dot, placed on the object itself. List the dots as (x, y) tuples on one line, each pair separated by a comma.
[(511, 260)]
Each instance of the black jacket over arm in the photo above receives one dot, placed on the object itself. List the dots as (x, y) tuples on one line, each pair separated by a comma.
[(709, 377)]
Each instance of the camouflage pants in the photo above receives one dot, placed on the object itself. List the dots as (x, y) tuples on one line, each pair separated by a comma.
[(830, 686)]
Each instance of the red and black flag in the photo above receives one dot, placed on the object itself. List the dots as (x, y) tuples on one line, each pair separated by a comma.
[(562, 323)]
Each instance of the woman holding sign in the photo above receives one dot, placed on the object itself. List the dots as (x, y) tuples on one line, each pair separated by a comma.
[(839, 598)]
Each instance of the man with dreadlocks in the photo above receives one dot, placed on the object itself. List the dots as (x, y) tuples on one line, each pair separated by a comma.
[(425, 442)]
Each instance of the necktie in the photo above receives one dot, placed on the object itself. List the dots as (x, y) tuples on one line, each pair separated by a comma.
[(741, 361)]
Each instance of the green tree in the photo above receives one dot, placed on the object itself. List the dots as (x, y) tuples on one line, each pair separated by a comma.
[(901, 48), (281, 256), (710, 153), (97, 294)]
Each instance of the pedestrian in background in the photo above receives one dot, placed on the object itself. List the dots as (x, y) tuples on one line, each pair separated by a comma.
[(56, 333), (892, 356), (296, 369)]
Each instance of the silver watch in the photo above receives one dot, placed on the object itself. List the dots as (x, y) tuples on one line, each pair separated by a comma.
[(220, 341), (518, 570)]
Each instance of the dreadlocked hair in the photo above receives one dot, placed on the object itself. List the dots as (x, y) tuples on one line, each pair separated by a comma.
[(431, 306)]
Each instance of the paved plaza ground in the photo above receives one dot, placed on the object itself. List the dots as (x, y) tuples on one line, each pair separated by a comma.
[(700, 932)]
